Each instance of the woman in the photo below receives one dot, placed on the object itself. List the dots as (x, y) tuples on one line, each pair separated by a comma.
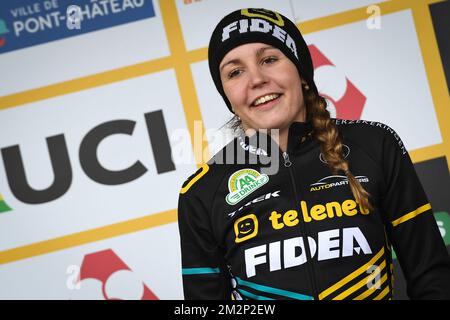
[(321, 226)]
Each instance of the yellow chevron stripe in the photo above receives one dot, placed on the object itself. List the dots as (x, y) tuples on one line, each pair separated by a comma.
[(205, 169), (1, 197), (361, 283), (351, 276), (372, 289), (412, 214), (382, 294)]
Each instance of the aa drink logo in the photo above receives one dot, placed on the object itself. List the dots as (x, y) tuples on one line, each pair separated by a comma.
[(27, 23), (347, 100), (103, 266)]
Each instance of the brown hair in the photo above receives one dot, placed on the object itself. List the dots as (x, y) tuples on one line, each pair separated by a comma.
[(326, 132)]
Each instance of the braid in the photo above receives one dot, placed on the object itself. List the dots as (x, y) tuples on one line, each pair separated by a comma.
[(331, 145)]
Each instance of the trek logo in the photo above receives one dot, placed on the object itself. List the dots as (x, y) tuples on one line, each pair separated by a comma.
[(251, 149), (242, 183), (267, 196), (345, 153), (334, 181), (289, 253), (89, 160), (102, 266), (261, 20)]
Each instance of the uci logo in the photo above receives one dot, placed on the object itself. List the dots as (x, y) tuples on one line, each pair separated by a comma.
[(345, 151)]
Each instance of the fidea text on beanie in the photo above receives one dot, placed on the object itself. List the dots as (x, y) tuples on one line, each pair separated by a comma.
[(258, 25), (271, 24)]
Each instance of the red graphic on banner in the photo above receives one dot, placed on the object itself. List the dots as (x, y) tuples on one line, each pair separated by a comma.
[(351, 104), (101, 265)]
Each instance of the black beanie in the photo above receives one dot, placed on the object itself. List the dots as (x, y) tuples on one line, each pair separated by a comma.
[(258, 25)]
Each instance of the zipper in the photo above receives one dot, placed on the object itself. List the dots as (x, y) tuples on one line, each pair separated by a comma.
[(287, 162), (303, 227)]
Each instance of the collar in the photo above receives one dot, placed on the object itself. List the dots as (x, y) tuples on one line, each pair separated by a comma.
[(261, 143), (299, 132)]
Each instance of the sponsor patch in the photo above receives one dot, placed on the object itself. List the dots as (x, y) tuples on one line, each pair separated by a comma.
[(334, 181), (242, 183)]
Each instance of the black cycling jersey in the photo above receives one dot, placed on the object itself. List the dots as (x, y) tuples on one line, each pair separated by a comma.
[(298, 233)]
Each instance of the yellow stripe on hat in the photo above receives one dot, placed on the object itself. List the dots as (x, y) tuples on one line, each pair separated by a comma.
[(262, 13)]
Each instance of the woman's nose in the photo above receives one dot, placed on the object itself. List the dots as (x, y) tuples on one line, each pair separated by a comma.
[(257, 77)]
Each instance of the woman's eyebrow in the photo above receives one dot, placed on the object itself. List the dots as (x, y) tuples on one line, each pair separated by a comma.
[(233, 61), (261, 51)]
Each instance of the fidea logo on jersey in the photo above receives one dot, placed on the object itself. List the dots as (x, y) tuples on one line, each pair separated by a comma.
[(242, 183)]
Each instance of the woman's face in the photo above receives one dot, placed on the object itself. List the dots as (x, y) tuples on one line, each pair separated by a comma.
[(263, 86)]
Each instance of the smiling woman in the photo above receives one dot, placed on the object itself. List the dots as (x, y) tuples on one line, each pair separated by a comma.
[(263, 87), (312, 229)]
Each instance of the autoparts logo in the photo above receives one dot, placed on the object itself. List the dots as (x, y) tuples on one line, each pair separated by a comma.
[(334, 181)]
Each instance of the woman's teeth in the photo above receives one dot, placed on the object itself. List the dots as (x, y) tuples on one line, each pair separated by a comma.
[(266, 98)]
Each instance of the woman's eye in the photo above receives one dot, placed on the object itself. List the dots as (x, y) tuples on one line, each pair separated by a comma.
[(270, 59), (234, 73)]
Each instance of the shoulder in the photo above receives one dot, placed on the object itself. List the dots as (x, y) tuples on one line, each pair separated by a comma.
[(208, 177), (369, 133), (365, 127)]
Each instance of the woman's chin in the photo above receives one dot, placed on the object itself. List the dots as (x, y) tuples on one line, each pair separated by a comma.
[(270, 123)]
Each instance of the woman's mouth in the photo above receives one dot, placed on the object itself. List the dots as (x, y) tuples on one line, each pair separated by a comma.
[(267, 100)]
